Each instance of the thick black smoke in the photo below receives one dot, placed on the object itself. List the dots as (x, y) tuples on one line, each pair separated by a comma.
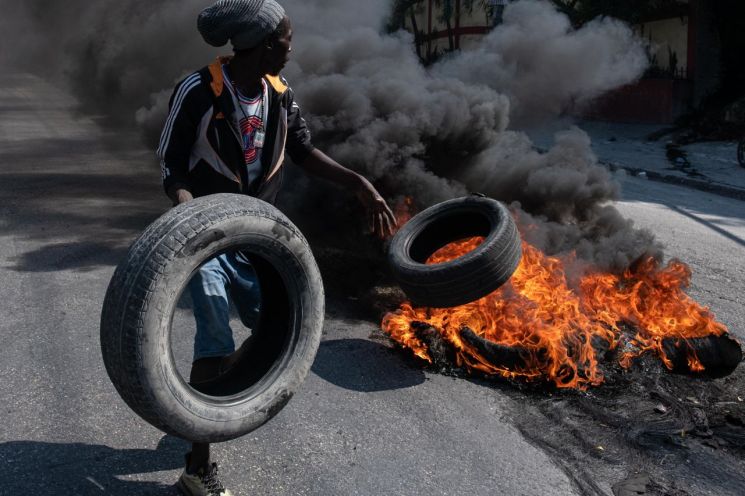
[(429, 133)]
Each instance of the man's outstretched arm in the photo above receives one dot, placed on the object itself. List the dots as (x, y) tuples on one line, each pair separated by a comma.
[(382, 220)]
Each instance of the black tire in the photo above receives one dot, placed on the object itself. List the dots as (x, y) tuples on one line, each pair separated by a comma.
[(141, 299), (467, 278), (741, 153)]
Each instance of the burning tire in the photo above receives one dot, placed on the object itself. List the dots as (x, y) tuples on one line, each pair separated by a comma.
[(464, 279), (142, 296)]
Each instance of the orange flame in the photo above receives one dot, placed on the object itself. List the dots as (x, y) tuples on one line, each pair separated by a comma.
[(557, 323)]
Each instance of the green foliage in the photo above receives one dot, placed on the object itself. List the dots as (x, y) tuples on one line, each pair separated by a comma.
[(399, 12), (447, 10), (632, 11), (446, 14)]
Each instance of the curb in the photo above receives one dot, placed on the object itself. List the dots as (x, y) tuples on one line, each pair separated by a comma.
[(701, 185)]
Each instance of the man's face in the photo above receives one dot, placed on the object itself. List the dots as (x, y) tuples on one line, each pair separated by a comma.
[(277, 54)]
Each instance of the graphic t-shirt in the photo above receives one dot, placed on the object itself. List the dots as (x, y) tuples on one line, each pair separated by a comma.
[(250, 119)]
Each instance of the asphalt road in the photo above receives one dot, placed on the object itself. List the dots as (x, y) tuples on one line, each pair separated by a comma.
[(73, 195)]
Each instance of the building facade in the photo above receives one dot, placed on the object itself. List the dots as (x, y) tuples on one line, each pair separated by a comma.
[(682, 46), (684, 54)]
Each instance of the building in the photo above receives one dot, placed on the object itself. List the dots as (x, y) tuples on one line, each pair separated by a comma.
[(684, 68), (683, 49)]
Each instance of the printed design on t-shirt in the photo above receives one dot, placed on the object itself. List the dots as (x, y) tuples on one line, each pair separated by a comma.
[(249, 126), (249, 118)]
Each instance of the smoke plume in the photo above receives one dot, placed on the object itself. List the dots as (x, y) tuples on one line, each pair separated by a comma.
[(544, 65), (430, 133)]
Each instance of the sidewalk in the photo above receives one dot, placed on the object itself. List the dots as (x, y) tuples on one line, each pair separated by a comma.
[(709, 166)]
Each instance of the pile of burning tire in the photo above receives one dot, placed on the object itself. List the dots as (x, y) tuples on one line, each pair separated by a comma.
[(450, 259)]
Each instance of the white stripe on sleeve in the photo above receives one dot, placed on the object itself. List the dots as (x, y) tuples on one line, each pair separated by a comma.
[(185, 88)]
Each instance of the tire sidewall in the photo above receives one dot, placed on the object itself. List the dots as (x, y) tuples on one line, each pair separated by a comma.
[(468, 277), (181, 410), (399, 251)]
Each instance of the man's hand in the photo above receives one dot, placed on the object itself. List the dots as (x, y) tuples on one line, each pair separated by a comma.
[(382, 220), (178, 195), (183, 196)]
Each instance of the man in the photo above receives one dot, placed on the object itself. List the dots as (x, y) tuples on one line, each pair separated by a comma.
[(227, 131)]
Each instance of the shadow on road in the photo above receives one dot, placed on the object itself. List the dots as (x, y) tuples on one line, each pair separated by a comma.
[(69, 256), (77, 221), (710, 225), (62, 469), (364, 366), (688, 202)]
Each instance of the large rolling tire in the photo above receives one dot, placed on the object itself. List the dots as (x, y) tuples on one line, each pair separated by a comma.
[(467, 278), (140, 302)]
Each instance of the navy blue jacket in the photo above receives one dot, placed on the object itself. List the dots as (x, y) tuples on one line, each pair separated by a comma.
[(201, 150)]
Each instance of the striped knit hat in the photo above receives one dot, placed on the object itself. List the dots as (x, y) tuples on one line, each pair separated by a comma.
[(244, 22)]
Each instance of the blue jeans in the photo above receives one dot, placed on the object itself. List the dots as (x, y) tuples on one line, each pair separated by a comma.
[(229, 273)]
